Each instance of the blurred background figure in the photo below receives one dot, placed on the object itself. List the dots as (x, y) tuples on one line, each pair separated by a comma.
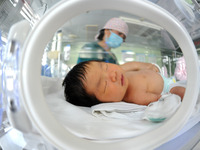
[(111, 36)]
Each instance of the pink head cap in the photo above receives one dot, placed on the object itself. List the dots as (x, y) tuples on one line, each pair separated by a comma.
[(117, 24)]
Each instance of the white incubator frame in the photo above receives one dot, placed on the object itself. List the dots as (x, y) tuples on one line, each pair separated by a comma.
[(30, 74)]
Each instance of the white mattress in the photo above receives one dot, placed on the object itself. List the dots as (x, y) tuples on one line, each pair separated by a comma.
[(81, 122)]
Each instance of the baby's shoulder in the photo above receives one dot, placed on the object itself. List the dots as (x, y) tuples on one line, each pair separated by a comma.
[(135, 78), (135, 73)]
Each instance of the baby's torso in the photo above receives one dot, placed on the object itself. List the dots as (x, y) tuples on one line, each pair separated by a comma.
[(146, 80)]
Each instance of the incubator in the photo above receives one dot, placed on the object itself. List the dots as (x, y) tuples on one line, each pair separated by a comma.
[(40, 52)]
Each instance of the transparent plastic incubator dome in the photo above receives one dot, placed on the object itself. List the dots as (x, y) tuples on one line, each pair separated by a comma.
[(24, 76)]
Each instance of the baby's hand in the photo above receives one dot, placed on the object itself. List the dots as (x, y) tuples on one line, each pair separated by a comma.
[(154, 67), (178, 90)]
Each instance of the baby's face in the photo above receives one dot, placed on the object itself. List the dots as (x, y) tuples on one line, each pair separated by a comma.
[(106, 81)]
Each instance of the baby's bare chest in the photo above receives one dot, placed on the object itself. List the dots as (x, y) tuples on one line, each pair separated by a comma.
[(145, 80)]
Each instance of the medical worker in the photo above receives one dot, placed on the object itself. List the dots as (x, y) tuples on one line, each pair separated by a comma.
[(111, 36)]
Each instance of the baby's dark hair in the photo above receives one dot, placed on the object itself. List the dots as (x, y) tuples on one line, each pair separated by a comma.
[(74, 89)]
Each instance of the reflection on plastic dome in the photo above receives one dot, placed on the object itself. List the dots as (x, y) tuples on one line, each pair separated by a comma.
[(146, 42)]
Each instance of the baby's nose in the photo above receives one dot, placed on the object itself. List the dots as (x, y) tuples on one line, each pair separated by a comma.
[(113, 76)]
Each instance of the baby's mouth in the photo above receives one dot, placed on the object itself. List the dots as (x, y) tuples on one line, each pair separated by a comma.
[(122, 80)]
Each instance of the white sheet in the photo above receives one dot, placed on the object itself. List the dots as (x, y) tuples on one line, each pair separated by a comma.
[(81, 122), (119, 110), (157, 111)]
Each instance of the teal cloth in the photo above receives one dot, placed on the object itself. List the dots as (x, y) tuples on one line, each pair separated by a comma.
[(93, 51), (167, 83)]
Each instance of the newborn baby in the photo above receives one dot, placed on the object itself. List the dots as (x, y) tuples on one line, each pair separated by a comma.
[(134, 82)]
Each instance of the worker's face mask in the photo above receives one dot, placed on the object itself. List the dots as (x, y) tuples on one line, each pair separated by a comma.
[(114, 40)]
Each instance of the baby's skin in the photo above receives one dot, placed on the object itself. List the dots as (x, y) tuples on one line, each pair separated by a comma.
[(115, 83), (145, 86)]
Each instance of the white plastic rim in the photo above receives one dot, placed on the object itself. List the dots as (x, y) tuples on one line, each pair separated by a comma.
[(31, 87)]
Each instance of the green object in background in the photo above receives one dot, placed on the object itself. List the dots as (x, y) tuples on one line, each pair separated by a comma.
[(189, 2)]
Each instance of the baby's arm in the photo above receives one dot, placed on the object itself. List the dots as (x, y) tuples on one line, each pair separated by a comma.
[(135, 66), (144, 98)]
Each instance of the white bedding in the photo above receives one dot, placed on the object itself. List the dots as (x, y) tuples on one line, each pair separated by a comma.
[(81, 122), (157, 111)]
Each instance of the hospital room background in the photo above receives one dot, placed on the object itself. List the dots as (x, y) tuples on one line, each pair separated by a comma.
[(146, 42)]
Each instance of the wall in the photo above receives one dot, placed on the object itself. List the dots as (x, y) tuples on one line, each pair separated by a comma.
[(127, 52), (139, 53)]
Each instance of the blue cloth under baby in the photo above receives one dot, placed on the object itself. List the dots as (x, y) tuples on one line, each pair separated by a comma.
[(167, 83)]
